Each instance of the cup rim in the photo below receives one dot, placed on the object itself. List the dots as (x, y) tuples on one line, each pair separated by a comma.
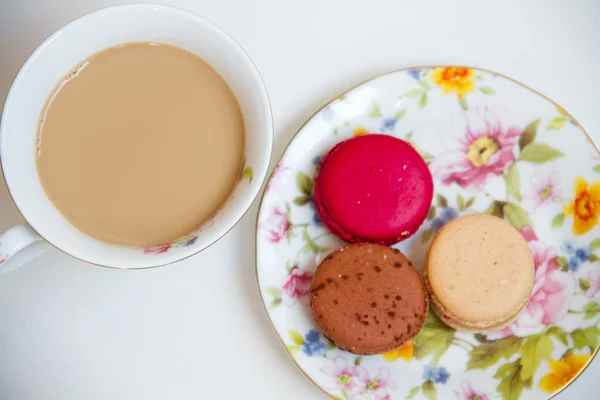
[(260, 179)]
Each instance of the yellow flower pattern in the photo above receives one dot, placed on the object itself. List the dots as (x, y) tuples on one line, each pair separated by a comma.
[(359, 131), (585, 208), (405, 352), (454, 79), (563, 372)]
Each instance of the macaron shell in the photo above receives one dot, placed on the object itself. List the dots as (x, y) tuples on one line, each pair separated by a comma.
[(479, 271), (368, 299), (330, 223), (339, 230), (459, 325), (373, 188), (468, 326)]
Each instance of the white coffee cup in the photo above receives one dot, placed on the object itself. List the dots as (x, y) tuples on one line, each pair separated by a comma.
[(47, 66)]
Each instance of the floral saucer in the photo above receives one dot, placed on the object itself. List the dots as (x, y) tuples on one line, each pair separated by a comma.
[(493, 146)]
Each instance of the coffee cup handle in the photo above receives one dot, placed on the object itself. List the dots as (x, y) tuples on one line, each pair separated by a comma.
[(19, 245)]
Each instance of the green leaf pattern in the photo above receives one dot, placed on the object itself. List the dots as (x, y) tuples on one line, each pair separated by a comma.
[(557, 123), (434, 340), (275, 295), (529, 134), (304, 183), (513, 182), (413, 392), (539, 153), (489, 353), (429, 390), (517, 216), (247, 173), (296, 337)]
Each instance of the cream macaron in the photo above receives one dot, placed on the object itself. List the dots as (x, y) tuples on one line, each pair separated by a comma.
[(479, 273)]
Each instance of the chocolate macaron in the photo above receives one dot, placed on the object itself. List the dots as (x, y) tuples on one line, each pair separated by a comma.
[(368, 299), (479, 273)]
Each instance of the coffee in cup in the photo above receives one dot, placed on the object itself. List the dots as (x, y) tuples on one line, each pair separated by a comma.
[(140, 144)]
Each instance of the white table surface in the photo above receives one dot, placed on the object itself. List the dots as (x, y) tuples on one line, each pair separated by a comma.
[(197, 330)]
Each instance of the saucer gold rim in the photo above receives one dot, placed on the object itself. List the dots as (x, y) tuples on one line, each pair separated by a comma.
[(551, 396)]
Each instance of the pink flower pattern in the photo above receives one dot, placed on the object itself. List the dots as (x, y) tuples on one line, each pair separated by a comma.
[(551, 295), (541, 190), (528, 233), (479, 145), (296, 286), (157, 249), (277, 226), (468, 393), (378, 385), (278, 173), (594, 278), (343, 377)]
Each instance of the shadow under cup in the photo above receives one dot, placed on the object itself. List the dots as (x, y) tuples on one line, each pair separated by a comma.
[(86, 36)]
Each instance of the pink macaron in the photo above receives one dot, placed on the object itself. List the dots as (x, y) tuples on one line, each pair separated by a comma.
[(373, 188)]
